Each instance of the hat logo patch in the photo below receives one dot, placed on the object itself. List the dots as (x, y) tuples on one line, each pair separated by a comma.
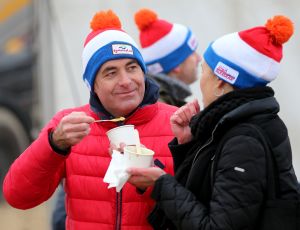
[(122, 49), (155, 68), (226, 73), (192, 42)]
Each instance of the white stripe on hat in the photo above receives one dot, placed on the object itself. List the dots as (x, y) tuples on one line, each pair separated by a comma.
[(175, 38), (246, 57), (103, 39)]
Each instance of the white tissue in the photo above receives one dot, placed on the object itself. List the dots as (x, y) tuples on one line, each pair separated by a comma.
[(116, 175)]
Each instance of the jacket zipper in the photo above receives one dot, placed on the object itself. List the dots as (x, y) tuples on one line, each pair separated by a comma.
[(118, 210), (200, 149), (204, 146), (119, 194)]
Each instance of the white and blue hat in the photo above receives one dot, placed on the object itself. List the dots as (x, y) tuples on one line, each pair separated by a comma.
[(106, 42)]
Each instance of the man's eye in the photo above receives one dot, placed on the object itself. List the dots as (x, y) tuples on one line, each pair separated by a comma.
[(132, 67), (110, 74)]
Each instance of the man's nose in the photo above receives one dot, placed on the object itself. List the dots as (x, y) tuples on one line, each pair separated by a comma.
[(124, 78), (199, 58)]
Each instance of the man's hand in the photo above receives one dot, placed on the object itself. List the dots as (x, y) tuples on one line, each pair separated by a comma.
[(180, 121), (114, 147), (144, 177), (71, 129)]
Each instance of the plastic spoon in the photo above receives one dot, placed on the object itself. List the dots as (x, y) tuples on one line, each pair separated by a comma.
[(112, 120), (137, 142)]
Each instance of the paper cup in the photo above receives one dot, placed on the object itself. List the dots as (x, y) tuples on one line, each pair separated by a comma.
[(132, 159), (121, 134)]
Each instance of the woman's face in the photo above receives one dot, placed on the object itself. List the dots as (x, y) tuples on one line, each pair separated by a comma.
[(188, 69), (208, 84)]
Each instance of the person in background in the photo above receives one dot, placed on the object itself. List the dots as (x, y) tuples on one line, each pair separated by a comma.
[(169, 51), (74, 148), (219, 157)]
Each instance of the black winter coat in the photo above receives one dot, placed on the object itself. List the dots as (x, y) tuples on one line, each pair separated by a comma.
[(171, 91), (232, 199)]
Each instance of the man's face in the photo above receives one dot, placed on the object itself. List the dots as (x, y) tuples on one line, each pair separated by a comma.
[(120, 86), (189, 69), (208, 83)]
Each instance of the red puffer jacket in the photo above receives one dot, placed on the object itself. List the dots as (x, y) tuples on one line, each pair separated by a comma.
[(34, 176)]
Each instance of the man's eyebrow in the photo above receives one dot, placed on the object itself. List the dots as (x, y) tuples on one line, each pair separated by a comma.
[(133, 61), (108, 68)]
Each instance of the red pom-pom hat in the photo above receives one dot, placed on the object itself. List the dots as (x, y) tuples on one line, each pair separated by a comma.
[(251, 57), (164, 45)]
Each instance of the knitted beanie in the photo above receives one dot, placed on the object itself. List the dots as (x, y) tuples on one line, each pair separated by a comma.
[(164, 45), (107, 41), (251, 57)]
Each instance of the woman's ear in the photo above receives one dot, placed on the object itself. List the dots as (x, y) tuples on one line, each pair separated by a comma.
[(220, 84), (222, 87)]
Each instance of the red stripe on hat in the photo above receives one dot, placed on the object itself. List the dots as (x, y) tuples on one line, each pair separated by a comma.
[(155, 32), (259, 38), (93, 34)]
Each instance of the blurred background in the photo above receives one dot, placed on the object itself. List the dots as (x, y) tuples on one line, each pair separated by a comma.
[(40, 66)]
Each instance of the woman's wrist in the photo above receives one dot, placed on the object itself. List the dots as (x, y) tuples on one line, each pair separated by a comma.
[(184, 140)]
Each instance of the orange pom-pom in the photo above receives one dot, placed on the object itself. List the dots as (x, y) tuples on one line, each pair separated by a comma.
[(104, 20), (281, 28), (144, 17)]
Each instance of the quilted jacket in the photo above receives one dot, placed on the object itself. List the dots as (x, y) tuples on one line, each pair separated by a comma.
[(230, 198)]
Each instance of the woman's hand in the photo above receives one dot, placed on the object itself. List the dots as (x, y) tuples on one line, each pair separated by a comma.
[(144, 177), (180, 121)]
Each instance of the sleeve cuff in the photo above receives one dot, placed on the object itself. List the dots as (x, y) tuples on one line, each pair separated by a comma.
[(63, 152)]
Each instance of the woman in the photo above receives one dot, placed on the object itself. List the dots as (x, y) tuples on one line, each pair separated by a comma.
[(220, 161)]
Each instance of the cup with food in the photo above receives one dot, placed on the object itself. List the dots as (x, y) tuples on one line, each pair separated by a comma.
[(138, 156), (121, 134)]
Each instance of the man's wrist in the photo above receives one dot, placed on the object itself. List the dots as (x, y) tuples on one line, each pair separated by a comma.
[(55, 148)]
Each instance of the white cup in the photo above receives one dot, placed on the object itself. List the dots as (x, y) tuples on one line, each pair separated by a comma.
[(121, 134), (133, 159)]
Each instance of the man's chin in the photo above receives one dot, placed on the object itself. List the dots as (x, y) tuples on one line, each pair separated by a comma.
[(127, 108)]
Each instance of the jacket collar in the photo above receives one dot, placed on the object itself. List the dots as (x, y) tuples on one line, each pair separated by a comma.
[(259, 106), (233, 107), (178, 89)]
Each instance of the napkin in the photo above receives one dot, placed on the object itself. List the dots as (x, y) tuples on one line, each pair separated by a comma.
[(116, 175)]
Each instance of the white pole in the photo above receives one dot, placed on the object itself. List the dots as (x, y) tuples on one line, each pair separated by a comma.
[(45, 78)]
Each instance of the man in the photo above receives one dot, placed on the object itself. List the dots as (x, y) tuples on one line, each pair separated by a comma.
[(74, 147), (170, 54)]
